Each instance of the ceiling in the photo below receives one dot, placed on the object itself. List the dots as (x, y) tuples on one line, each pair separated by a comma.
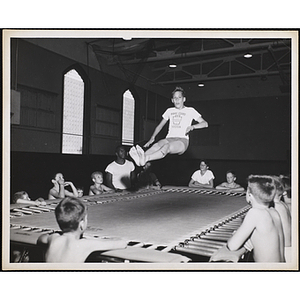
[(197, 60)]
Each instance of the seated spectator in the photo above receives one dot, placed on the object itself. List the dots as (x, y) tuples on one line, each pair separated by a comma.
[(202, 178), (261, 228), (147, 179), (98, 187), (285, 216), (80, 191), (59, 188), (23, 197), (120, 173), (69, 246), (230, 185)]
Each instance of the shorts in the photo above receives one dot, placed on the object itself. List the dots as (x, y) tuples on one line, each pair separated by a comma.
[(183, 140)]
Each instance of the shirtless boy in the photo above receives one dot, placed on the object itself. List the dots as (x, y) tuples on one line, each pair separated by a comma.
[(23, 197), (262, 224), (59, 185), (285, 216), (69, 246), (98, 187)]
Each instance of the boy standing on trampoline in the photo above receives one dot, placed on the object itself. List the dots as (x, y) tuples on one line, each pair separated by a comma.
[(180, 120)]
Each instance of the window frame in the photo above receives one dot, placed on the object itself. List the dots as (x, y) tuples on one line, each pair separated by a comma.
[(128, 142), (86, 127)]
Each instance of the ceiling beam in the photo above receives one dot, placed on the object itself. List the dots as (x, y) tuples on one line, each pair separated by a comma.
[(244, 46), (229, 59), (204, 78)]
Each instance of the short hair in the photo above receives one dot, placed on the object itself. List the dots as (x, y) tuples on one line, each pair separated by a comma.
[(119, 147), (95, 173), (69, 212), (18, 195), (232, 172), (178, 89), (205, 161), (262, 187), (279, 186)]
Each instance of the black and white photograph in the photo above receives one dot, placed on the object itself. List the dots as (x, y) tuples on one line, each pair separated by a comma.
[(165, 150)]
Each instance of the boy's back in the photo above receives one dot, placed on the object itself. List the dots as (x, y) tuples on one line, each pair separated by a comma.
[(264, 229), (69, 246), (66, 248), (262, 225), (267, 237)]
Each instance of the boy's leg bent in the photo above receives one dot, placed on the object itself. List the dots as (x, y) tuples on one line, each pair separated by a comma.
[(177, 147), (155, 147), (160, 153), (168, 146)]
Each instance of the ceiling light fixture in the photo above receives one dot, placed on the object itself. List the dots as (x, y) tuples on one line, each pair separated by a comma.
[(201, 84), (172, 65), (248, 55)]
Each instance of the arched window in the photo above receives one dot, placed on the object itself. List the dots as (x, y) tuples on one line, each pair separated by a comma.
[(128, 119), (73, 99)]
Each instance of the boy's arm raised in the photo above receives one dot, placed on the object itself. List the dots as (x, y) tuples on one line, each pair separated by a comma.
[(74, 190), (61, 189)]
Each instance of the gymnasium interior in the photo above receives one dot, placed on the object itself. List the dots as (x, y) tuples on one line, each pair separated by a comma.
[(241, 85)]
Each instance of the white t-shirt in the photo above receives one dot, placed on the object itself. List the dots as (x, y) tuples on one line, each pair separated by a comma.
[(121, 174), (203, 179), (180, 119)]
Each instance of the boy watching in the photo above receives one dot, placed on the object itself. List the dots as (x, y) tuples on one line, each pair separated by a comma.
[(120, 174), (70, 246), (59, 188), (285, 216), (262, 227), (98, 187), (23, 197), (230, 185), (80, 191)]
